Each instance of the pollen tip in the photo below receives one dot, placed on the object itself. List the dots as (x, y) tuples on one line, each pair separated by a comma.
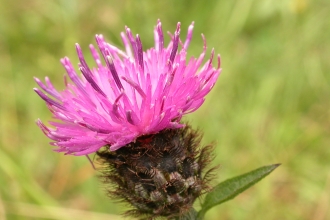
[(98, 38), (65, 60), (128, 30), (204, 41), (178, 26), (109, 58), (219, 61)]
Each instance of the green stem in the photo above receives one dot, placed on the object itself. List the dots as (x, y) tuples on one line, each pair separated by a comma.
[(191, 215)]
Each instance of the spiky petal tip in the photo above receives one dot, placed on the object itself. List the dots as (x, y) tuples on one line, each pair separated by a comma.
[(130, 94)]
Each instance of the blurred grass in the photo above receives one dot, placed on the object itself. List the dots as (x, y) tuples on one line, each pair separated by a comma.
[(271, 103)]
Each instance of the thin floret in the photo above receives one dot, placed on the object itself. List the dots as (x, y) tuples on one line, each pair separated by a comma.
[(129, 94)]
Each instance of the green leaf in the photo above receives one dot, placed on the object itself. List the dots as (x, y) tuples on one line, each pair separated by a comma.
[(232, 187)]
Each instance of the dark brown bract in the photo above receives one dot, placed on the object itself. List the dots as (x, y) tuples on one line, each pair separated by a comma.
[(160, 174)]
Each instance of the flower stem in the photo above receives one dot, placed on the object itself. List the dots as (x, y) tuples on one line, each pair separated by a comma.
[(191, 215)]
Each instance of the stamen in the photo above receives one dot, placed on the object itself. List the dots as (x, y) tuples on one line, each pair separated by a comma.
[(90, 80), (180, 42), (98, 130), (129, 117), (49, 100), (115, 106), (163, 103), (135, 86), (175, 43), (49, 84), (65, 79), (189, 36), (139, 52), (108, 60), (126, 44), (50, 90), (43, 127), (211, 58), (112, 68), (73, 76), (169, 79), (132, 118), (83, 67), (156, 37), (208, 78), (219, 61), (204, 46), (95, 55), (132, 41), (160, 35)]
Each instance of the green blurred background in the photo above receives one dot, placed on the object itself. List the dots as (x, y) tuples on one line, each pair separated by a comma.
[(270, 105)]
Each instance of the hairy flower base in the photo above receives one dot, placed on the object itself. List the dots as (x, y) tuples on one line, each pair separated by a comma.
[(160, 174)]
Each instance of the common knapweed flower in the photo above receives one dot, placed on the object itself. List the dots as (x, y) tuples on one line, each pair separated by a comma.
[(128, 110)]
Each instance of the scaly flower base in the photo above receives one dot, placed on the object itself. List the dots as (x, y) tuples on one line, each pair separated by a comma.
[(160, 174)]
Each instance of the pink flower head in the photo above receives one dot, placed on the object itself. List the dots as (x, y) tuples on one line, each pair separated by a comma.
[(133, 93)]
